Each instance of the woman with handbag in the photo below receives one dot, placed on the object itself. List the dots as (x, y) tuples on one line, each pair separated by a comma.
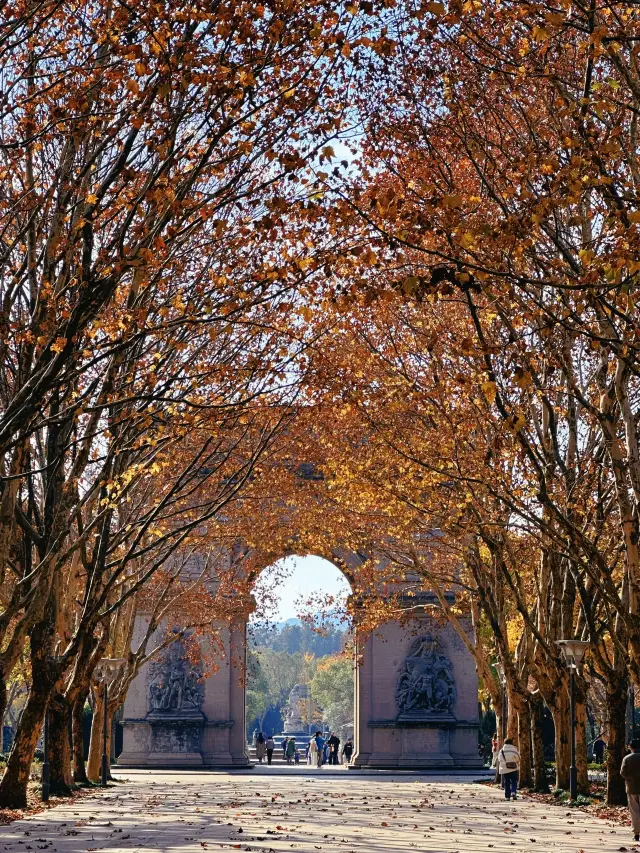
[(508, 766)]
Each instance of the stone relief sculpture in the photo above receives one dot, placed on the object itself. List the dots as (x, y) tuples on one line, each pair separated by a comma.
[(426, 685), (175, 684)]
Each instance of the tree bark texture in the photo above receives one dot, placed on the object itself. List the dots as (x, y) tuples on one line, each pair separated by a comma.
[(540, 782), (561, 721), (77, 740), (524, 746), (581, 742), (60, 779), (94, 764), (617, 692), (45, 673), (13, 787), (4, 695)]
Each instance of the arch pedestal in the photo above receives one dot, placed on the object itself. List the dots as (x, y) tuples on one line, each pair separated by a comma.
[(418, 739), (428, 729)]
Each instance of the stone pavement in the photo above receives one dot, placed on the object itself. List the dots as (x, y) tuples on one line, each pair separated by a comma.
[(191, 812)]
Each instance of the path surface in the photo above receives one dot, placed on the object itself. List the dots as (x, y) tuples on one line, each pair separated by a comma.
[(195, 812)]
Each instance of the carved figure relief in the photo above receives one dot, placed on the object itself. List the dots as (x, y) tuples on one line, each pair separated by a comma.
[(425, 681), (175, 684)]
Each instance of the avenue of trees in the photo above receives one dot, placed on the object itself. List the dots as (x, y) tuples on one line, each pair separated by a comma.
[(396, 241)]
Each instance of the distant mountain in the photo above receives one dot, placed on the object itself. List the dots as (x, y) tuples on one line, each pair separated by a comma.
[(294, 635)]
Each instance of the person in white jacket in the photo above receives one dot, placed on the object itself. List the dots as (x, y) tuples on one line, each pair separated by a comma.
[(313, 751), (508, 767)]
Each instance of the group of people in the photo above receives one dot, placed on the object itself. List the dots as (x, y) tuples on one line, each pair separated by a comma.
[(318, 751), (321, 750), (264, 747)]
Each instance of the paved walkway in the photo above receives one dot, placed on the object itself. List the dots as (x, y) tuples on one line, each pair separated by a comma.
[(163, 812)]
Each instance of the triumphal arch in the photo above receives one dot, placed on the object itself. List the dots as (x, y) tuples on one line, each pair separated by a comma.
[(415, 683), (416, 700)]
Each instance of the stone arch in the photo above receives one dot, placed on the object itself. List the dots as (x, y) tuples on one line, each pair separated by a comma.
[(415, 683)]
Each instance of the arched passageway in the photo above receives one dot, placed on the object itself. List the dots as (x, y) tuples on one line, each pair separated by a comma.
[(300, 663), (415, 698)]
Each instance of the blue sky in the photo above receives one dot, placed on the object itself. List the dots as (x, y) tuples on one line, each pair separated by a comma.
[(301, 578)]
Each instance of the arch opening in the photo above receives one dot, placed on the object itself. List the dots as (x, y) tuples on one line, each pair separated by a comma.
[(300, 660)]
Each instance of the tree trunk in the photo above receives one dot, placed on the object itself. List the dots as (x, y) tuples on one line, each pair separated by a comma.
[(94, 764), (561, 721), (61, 781), (95, 742), (513, 704), (540, 782), (44, 674), (4, 696), (617, 690), (77, 729), (524, 745), (581, 743), (13, 787)]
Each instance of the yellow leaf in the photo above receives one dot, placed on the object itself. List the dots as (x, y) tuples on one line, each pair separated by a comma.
[(634, 216), (489, 389), (523, 379), (92, 198)]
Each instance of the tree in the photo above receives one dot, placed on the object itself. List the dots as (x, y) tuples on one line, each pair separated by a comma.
[(332, 687)]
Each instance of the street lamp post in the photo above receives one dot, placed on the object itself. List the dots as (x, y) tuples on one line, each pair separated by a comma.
[(106, 672), (573, 651), (503, 724)]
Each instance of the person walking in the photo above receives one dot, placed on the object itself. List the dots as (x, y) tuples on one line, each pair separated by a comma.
[(261, 747), (313, 751), (290, 752), (598, 750), (334, 746), (508, 767), (284, 748), (494, 750), (270, 745), (347, 751), (630, 772), (320, 746)]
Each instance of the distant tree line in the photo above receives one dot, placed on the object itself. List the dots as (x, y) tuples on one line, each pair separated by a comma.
[(298, 638)]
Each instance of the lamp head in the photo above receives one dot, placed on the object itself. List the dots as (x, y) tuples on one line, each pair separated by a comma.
[(107, 669), (573, 651)]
